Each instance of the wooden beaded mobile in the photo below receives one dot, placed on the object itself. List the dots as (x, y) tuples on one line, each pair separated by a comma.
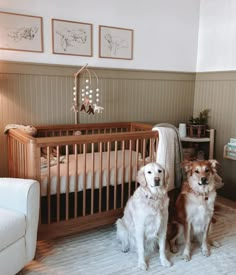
[(89, 96)]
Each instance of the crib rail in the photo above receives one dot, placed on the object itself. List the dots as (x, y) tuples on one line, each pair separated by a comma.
[(93, 128), (90, 191)]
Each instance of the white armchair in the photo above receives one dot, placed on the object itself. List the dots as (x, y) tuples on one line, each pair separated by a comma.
[(19, 214)]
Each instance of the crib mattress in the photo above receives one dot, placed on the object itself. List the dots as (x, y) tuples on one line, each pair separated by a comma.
[(95, 176)]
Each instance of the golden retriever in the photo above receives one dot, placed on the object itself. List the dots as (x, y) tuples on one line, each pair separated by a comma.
[(146, 214), (195, 206)]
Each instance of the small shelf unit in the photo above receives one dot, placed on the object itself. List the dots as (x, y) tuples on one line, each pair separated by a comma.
[(210, 139)]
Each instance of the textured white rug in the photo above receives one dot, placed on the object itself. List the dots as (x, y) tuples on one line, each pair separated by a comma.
[(98, 252)]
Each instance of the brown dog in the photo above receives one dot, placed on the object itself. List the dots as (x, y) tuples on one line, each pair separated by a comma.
[(195, 205)]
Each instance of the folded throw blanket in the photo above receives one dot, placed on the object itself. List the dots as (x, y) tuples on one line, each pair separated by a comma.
[(169, 153)]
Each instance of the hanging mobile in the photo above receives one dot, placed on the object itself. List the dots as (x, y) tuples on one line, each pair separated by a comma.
[(89, 99)]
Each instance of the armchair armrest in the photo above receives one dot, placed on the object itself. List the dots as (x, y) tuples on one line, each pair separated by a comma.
[(23, 195)]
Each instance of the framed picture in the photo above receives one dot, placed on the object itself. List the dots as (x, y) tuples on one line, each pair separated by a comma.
[(20, 32), (115, 42), (73, 38)]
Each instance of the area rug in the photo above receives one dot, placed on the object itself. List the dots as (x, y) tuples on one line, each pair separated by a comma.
[(98, 252)]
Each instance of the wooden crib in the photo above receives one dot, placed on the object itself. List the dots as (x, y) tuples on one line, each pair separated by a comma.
[(86, 172)]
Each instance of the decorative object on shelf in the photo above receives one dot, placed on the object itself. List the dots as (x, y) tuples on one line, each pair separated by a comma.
[(198, 125), (89, 93), (197, 130), (182, 130)]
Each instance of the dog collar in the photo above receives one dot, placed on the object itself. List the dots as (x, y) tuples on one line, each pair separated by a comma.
[(204, 195), (147, 195), (151, 198)]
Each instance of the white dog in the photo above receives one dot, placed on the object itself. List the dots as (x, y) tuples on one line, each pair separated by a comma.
[(146, 214)]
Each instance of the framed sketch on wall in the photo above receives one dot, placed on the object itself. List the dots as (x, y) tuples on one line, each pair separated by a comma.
[(115, 42), (73, 38), (21, 32)]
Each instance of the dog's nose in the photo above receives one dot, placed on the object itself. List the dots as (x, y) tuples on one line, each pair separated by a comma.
[(204, 181), (157, 181)]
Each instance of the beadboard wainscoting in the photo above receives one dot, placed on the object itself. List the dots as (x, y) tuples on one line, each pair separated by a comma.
[(217, 92), (42, 94)]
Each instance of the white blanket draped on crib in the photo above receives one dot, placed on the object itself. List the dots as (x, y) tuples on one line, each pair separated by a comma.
[(169, 153)]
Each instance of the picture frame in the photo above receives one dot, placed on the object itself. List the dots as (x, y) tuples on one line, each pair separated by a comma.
[(115, 42), (21, 32), (72, 38)]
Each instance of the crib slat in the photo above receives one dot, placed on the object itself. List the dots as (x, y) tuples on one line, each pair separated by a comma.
[(123, 173), (67, 182), (137, 161), (49, 186), (100, 177), (84, 177), (58, 184), (92, 179), (21, 171), (130, 166), (150, 149), (24, 160), (15, 151), (115, 183), (20, 163), (143, 150), (76, 182), (12, 159), (108, 173), (40, 201)]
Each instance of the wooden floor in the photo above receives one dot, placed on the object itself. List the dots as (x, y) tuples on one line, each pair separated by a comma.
[(226, 201)]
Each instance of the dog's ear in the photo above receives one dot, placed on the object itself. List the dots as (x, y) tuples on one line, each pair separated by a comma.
[(166, 176), (214, 164), (141, 177), (187, 165)]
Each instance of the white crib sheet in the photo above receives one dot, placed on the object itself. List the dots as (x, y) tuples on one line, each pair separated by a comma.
[(114, 172)]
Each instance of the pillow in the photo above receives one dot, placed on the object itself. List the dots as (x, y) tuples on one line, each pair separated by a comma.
[(28, 129)]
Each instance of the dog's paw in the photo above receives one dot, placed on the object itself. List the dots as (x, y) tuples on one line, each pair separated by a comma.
[(206, 252), (173, 248), (186, 257), (125, 248), (214, 244), (166, 263), (142, 265)]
